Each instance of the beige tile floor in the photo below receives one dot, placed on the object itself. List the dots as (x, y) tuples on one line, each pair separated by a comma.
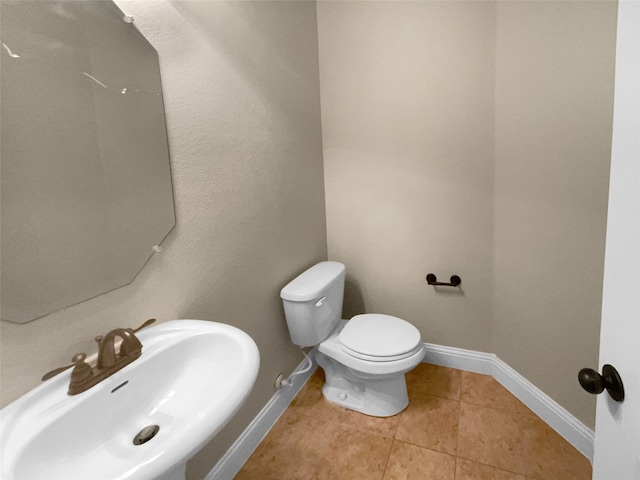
[(458, 426)]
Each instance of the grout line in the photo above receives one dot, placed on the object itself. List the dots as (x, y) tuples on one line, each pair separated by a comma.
[(386, 465), (423, 447), (498, 468), (455, 467), (460, 388)]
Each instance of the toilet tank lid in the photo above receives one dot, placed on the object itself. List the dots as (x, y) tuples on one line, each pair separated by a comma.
[(312, 283)]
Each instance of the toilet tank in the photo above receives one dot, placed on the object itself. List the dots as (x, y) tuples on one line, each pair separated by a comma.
[(313, 303)]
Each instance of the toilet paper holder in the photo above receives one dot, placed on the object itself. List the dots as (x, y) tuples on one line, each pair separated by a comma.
[(454, 281)]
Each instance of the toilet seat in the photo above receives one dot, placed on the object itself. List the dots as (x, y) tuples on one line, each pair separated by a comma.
[(334, 349), (379, 338)]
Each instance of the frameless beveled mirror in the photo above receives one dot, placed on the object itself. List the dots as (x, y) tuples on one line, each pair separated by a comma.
[(86, 188)]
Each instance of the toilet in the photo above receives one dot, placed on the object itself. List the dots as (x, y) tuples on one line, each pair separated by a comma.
[(364, 358)]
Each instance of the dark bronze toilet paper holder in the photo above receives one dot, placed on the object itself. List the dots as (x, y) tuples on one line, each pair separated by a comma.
[(454, 281)]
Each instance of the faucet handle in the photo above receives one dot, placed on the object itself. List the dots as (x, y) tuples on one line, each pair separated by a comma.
[(133, 346), (99, 338), (81, 372), (145, 324), (75, 361)]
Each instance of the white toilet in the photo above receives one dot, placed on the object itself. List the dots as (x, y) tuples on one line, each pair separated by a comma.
[(365, 358)]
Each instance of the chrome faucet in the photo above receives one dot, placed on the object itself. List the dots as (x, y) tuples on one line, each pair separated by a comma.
[(83, 376)]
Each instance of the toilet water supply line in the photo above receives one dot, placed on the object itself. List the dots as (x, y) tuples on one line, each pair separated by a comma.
[(286, 382)]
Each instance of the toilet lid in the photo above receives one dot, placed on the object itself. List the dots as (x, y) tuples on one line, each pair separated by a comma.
[(377, 335)]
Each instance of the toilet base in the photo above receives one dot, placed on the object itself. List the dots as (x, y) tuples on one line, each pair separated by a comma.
[(374, 395)]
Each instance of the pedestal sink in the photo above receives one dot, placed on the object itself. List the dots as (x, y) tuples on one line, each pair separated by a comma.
[(191, 378)]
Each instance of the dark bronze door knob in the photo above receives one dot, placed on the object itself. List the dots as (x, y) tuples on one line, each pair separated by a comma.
[(595, 383)]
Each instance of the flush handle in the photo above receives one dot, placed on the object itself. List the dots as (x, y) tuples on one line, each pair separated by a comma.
[(320, 302), (595, 383)]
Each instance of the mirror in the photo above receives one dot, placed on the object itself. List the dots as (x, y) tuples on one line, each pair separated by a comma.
[(86, 188)]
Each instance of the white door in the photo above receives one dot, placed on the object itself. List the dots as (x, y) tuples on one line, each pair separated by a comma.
[(617, 438)]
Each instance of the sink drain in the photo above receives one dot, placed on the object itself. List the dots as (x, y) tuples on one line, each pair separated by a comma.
[(146, 434)]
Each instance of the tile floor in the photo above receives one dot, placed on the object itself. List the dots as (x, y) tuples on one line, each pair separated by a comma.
[(458, 426)]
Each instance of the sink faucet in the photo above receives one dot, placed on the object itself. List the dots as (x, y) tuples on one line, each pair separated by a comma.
[(130, 347), (83, 376)]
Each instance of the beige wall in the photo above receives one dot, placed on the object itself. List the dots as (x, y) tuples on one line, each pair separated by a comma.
[(554, 107), (474, 138), (242, 99), (407, 118)]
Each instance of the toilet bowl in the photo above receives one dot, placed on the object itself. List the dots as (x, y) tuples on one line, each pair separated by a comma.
[(364, 358), (369, 380)]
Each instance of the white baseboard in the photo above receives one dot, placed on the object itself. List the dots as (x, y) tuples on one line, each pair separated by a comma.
[(234, 458), (569, 427), (459, 358)]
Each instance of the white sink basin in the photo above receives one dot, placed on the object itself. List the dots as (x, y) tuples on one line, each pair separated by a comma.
[(191, 379)]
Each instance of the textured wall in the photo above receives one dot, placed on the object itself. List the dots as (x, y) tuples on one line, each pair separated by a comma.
[(554, 108), (407, 119), (241, 91)]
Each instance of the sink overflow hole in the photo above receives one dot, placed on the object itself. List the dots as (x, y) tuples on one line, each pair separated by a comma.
[(146, 434), (119, 386)]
